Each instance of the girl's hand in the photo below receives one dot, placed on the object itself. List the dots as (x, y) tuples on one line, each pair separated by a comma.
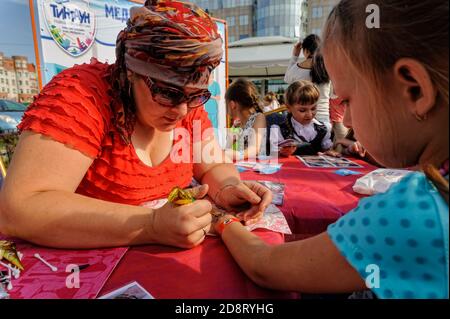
[(183, 226), (218, 221), (287, 151), (249, 199), (331, 153)]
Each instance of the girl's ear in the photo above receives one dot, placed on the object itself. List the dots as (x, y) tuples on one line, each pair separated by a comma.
[(416, 87), (233, 105)]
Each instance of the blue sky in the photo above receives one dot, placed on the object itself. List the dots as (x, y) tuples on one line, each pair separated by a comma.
[(16, 37)]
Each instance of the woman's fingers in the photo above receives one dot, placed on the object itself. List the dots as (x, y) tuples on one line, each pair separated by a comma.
[(243, 194), (203, 222), (199, 192), (263, 193), (257, 210), (196, 238), (198, 208)]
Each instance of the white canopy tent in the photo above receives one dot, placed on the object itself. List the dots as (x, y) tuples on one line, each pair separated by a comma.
[(260, 57)]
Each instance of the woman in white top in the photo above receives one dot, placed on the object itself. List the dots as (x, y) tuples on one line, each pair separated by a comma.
[(302, 71), (320, 77), (312, 69), (243, 103)]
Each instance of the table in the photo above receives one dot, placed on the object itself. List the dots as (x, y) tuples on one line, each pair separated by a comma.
[(206, 272), (314, 197)]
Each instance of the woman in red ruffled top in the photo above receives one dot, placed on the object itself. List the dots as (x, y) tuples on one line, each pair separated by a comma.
[(101, 140)]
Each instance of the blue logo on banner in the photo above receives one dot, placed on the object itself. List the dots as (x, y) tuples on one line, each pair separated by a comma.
[(71, 25)]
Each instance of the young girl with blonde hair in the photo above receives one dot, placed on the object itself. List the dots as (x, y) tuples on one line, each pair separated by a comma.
[(396, 243)]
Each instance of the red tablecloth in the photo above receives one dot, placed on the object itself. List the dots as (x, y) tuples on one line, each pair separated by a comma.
[(205, 272), (314, 197)]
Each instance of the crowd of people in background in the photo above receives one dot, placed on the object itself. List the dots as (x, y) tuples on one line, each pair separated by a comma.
[(312, 116)]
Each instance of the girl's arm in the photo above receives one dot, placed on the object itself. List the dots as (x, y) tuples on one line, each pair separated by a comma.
[(294, 59), (344, 142), (327, 143), (311, 266), (327, 146), (255, 143)]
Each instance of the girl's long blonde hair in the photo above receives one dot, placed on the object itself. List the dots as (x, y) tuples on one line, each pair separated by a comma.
[(408, 29)]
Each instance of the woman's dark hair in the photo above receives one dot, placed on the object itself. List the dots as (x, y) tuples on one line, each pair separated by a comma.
[(311, 43), (319, 74), (244, 93), (414, 29)]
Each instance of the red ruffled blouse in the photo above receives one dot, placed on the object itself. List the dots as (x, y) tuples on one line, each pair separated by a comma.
[(73, 109)]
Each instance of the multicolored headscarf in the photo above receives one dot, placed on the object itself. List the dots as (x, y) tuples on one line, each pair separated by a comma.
[(169, 41)]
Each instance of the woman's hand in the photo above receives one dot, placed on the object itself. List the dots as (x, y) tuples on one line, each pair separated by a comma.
[(287, 151), (297, 49), (249, 199), (330, 153), (183, 226)]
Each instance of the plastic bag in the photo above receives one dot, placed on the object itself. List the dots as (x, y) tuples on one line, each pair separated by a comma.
[(379, 181)]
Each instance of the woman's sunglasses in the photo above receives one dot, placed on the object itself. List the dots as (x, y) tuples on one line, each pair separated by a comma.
[(168, 96)]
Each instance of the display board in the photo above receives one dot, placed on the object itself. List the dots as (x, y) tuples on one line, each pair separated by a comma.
[(69, 32)]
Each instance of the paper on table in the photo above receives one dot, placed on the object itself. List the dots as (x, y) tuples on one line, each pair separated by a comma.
[(277, 191), (39, 282), (328, 162), (273, 219), (265, 168), (249, 165), (346, 172), (130, 291)]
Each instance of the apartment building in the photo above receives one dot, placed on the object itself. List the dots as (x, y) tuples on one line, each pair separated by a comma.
[(18, 79)]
